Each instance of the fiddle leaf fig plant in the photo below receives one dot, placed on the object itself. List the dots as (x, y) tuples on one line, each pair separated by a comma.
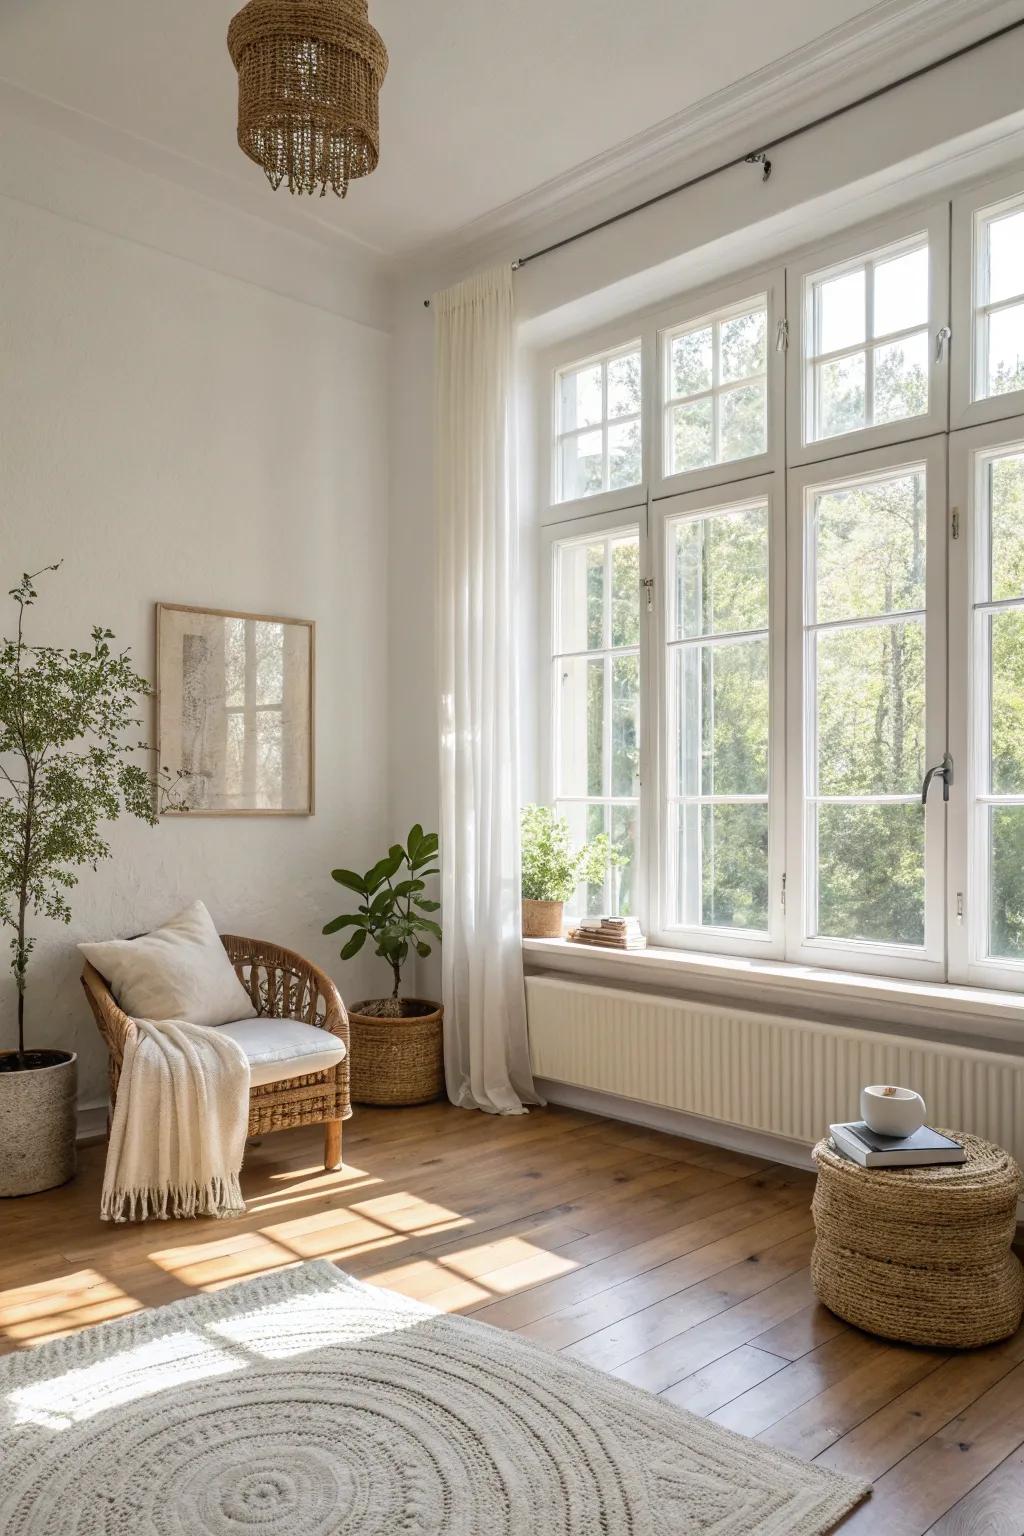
[(392, 908), (67, 765)]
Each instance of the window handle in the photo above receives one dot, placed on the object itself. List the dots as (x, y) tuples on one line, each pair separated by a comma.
[(941, 340), (945, 772)]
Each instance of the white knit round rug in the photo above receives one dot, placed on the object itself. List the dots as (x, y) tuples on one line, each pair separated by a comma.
[(307, 1404)]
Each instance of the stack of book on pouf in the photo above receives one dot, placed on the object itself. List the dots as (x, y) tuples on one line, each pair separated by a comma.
[(857, 1141), (609, 933)]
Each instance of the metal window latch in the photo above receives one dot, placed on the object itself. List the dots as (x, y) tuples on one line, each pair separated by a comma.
[(782, 336), (945, 772), (647, 583), (941, 339)]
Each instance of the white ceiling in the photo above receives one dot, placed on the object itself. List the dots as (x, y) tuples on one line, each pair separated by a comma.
[(485, 100)]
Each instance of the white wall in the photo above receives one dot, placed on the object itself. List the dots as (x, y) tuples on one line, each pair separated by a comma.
[(185, 427)]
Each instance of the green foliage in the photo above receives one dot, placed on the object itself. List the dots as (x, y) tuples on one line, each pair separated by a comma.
[(391, 911), (65, 769), (551, 871)]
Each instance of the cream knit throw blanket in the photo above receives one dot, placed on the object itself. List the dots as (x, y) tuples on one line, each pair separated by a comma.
[(179, 1125)]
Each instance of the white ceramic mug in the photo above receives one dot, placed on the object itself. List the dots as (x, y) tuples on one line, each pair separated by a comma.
[(892, 1111)]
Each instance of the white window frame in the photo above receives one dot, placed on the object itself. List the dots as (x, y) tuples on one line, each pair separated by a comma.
[(856, 248), (588, 349), (969, 209), (857, 955), (707, 305), (579, 530), (968, 895), (697, 503)]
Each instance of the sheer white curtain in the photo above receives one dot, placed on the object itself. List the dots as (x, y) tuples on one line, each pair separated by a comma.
[(486, 1052)]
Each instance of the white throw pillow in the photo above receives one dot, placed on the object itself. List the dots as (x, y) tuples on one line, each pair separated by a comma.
[(179, 971)]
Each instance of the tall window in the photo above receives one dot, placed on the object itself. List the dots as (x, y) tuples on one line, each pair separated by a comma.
[(823, 632), (596, 679), (999, 300), (998, 646), (597, 425), (867, 325), (716, 388), (718, 675)]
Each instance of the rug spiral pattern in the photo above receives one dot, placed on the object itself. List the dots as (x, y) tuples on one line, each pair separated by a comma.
[(308, 1403)]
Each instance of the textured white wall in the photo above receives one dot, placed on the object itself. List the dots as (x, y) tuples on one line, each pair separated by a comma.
[(177, 434)]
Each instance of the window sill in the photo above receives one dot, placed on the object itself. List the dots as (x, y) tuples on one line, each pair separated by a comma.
[(972, 1013)]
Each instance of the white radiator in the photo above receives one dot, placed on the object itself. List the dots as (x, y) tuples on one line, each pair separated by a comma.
[(786, 1077)]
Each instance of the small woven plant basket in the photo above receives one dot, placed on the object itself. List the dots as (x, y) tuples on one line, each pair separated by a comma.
[(397, 1060), (920, 1254)]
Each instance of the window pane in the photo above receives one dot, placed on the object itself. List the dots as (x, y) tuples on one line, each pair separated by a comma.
[(1006, 527), (623, 454), (580, 597), (734, 866), (691, 436), (742, 349), (721, 573), (624, 385), (1006, 642), (691, 362), (1006, 923), (1006, 257), (581, 726), (869, 547), (1006, 350), (626, 591), (840, 396), (623, 876), (579, 397), (721, 714), (582, 465), (870, 710), (901, 293), (625, 725), (871, 873), (839, 304), (742, 421), (901, 378)]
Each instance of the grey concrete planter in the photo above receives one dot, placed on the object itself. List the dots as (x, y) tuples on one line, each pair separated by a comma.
[(38, 1123)]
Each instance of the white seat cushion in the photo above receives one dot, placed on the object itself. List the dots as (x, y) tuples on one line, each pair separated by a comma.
[(281, 1048)]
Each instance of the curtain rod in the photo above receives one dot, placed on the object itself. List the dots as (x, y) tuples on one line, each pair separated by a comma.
[(760, 156)]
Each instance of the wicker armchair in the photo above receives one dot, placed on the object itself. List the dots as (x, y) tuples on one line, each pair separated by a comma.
[(281, 985)]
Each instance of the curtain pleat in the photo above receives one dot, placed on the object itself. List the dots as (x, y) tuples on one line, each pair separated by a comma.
[(487, 1059)]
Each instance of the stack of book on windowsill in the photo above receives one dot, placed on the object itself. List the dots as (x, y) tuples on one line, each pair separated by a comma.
[(609, 933), (866, 1147)]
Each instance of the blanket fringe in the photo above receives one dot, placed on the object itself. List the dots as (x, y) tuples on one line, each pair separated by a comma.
[(219, 1197)]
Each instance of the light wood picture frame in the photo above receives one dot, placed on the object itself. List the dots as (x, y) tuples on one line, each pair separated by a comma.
[(236, 711)]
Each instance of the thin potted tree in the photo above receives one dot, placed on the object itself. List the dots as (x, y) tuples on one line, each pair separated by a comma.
[(551, 871), (65, 769), (397, 1042)]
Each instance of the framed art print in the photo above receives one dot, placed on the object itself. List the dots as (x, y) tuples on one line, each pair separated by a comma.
[(235, 710)]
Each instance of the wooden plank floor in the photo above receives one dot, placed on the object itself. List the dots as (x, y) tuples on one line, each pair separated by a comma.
[(671, 1264)]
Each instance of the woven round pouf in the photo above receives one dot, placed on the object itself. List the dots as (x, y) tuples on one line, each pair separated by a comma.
[(920, 1254)]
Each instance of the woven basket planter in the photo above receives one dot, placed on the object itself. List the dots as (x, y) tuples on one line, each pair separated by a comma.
[(920, 1254), (397, 1061), (542, 919)]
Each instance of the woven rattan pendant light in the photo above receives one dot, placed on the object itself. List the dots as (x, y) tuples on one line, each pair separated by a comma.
[(309, 78)]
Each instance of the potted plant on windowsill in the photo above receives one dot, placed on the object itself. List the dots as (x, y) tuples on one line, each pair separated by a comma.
[(65, 769), (397, 1048), (551, 871)]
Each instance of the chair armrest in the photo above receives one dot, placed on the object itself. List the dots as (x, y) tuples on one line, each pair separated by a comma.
[(115, 1027), (282, 984)]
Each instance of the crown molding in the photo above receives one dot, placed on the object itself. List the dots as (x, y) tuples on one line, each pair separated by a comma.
[(889, 39)]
